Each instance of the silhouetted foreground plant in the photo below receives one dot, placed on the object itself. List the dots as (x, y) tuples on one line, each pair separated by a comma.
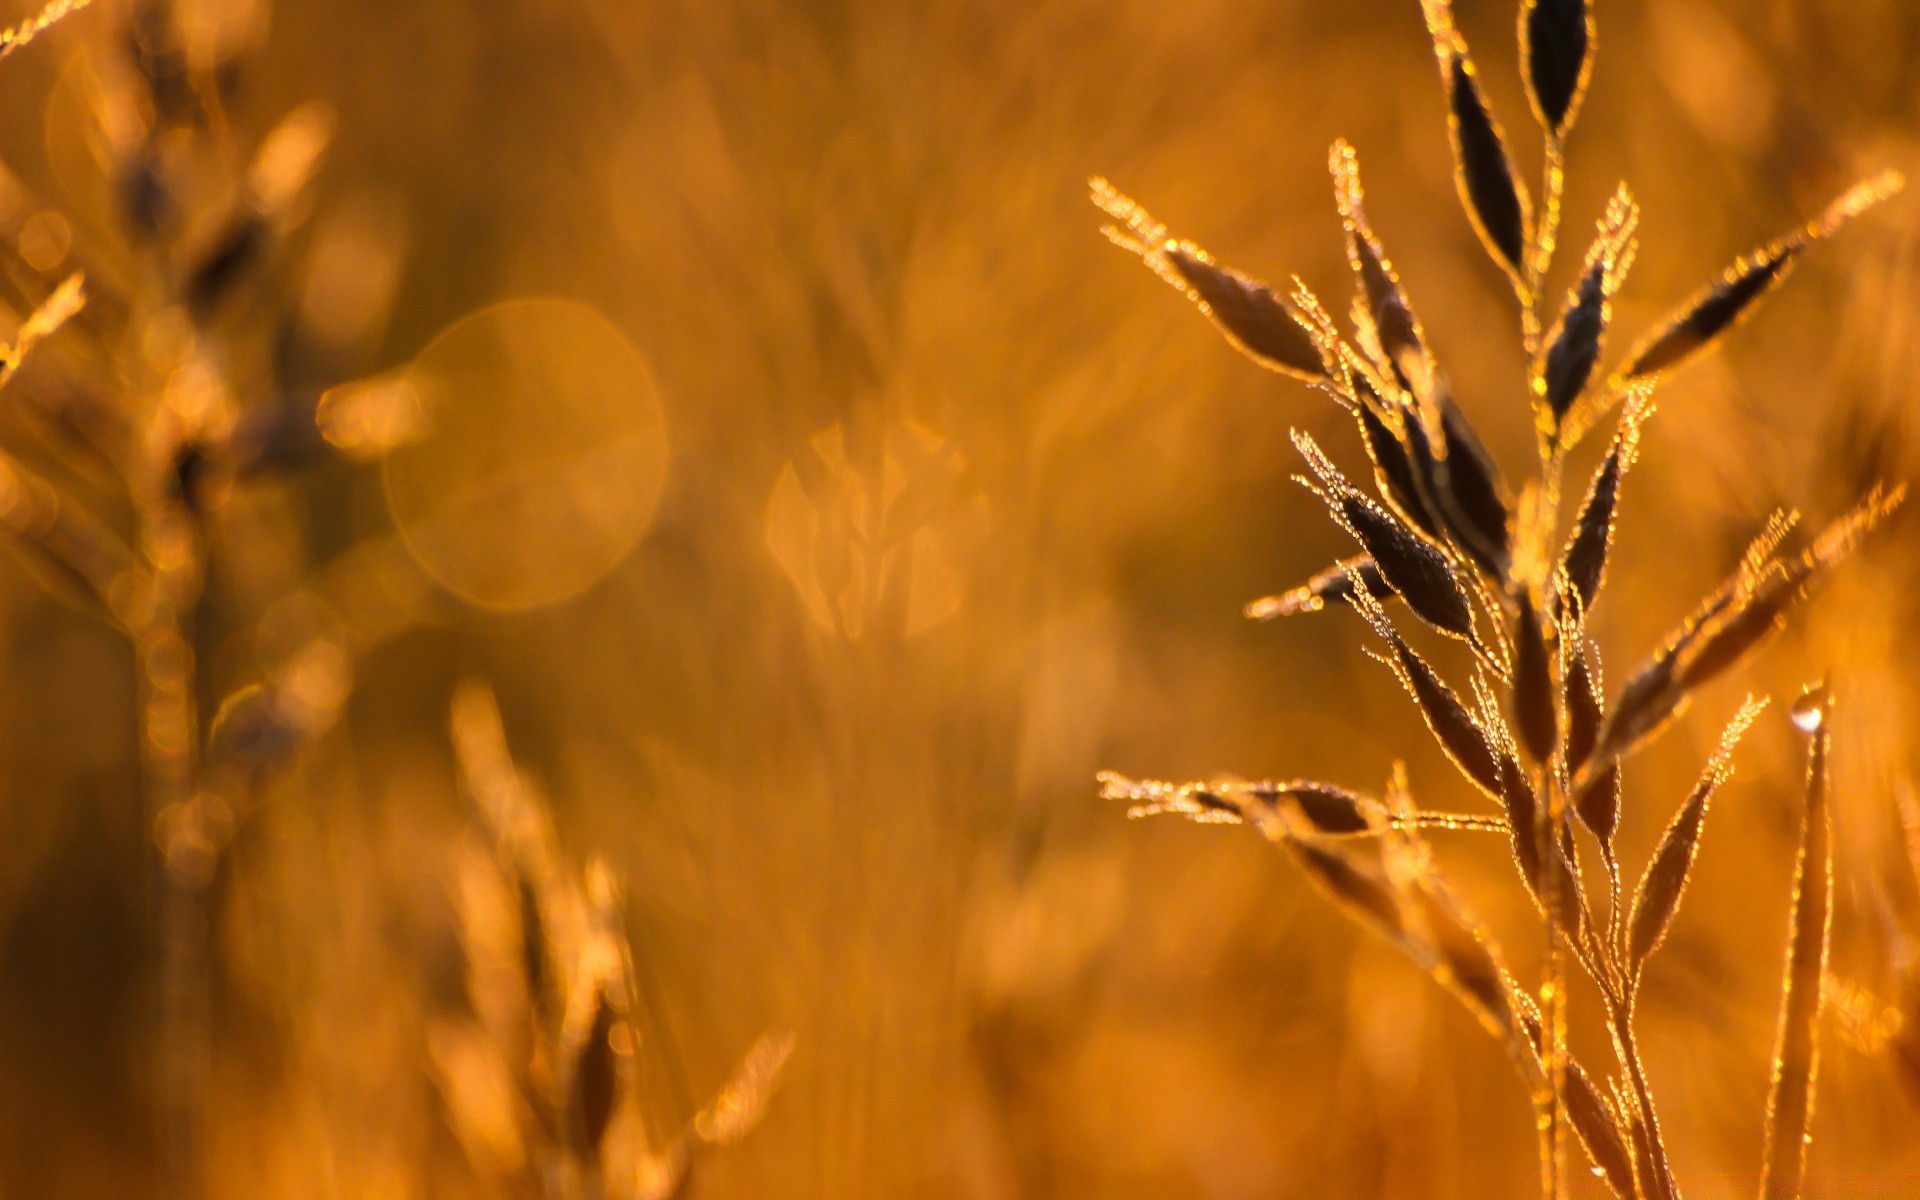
[(195, 365), (1470, 559)]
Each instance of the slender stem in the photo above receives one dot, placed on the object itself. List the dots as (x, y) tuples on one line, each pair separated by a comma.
[(1540, 250), (1553, 988), (1659, 1174), (168, 738)]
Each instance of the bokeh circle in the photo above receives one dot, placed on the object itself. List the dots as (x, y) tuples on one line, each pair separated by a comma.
[(544, 456)]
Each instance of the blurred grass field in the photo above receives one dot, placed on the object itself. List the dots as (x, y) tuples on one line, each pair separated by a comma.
[(859, 504)]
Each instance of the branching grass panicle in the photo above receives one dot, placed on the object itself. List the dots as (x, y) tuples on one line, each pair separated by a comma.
[(1451, 543)]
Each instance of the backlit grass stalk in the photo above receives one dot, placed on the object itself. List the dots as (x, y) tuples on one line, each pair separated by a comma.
[(1487, 565)]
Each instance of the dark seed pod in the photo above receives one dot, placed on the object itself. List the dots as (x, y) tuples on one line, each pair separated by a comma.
[(1522, 805), (1584, 563), (1462, 485), (1495, 199), (1556, 57), (1251, 314), (1412, 564), (1454, 726), (1254, 318), (1330, 810), (1474, 491), (1598, 805), (1578, 337), (1533, 683), (1335, 584), (252, 733), (1712, 311), (1580, 689), (1382, 299), (1355, 885), (594, 1082), (1658, 896), (1467, 958), (1715, 308), (533, 943), (1393, 470), (1574, 345), (1594, 1122), (1567, 895), (231, 256)]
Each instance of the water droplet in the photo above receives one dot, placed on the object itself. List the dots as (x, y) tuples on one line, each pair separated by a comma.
[(1810, 710)]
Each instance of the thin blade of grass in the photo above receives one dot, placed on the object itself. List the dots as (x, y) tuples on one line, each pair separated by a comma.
[(1796, 1057), (741, 1103)]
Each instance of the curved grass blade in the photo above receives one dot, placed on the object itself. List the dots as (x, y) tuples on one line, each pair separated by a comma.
[(1556, 57), (1584, 563), (1495, 199), (1335, 584), (1796, 1058), (741, 1103), (1578, 337), (1255, 319), (1411, 563), (1658, 897), (1716, 308)]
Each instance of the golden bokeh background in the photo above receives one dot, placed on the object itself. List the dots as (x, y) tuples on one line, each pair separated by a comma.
[(826, 503)]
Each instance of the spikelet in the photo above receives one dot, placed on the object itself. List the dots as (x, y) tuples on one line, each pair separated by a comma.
[(1720, 305)]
